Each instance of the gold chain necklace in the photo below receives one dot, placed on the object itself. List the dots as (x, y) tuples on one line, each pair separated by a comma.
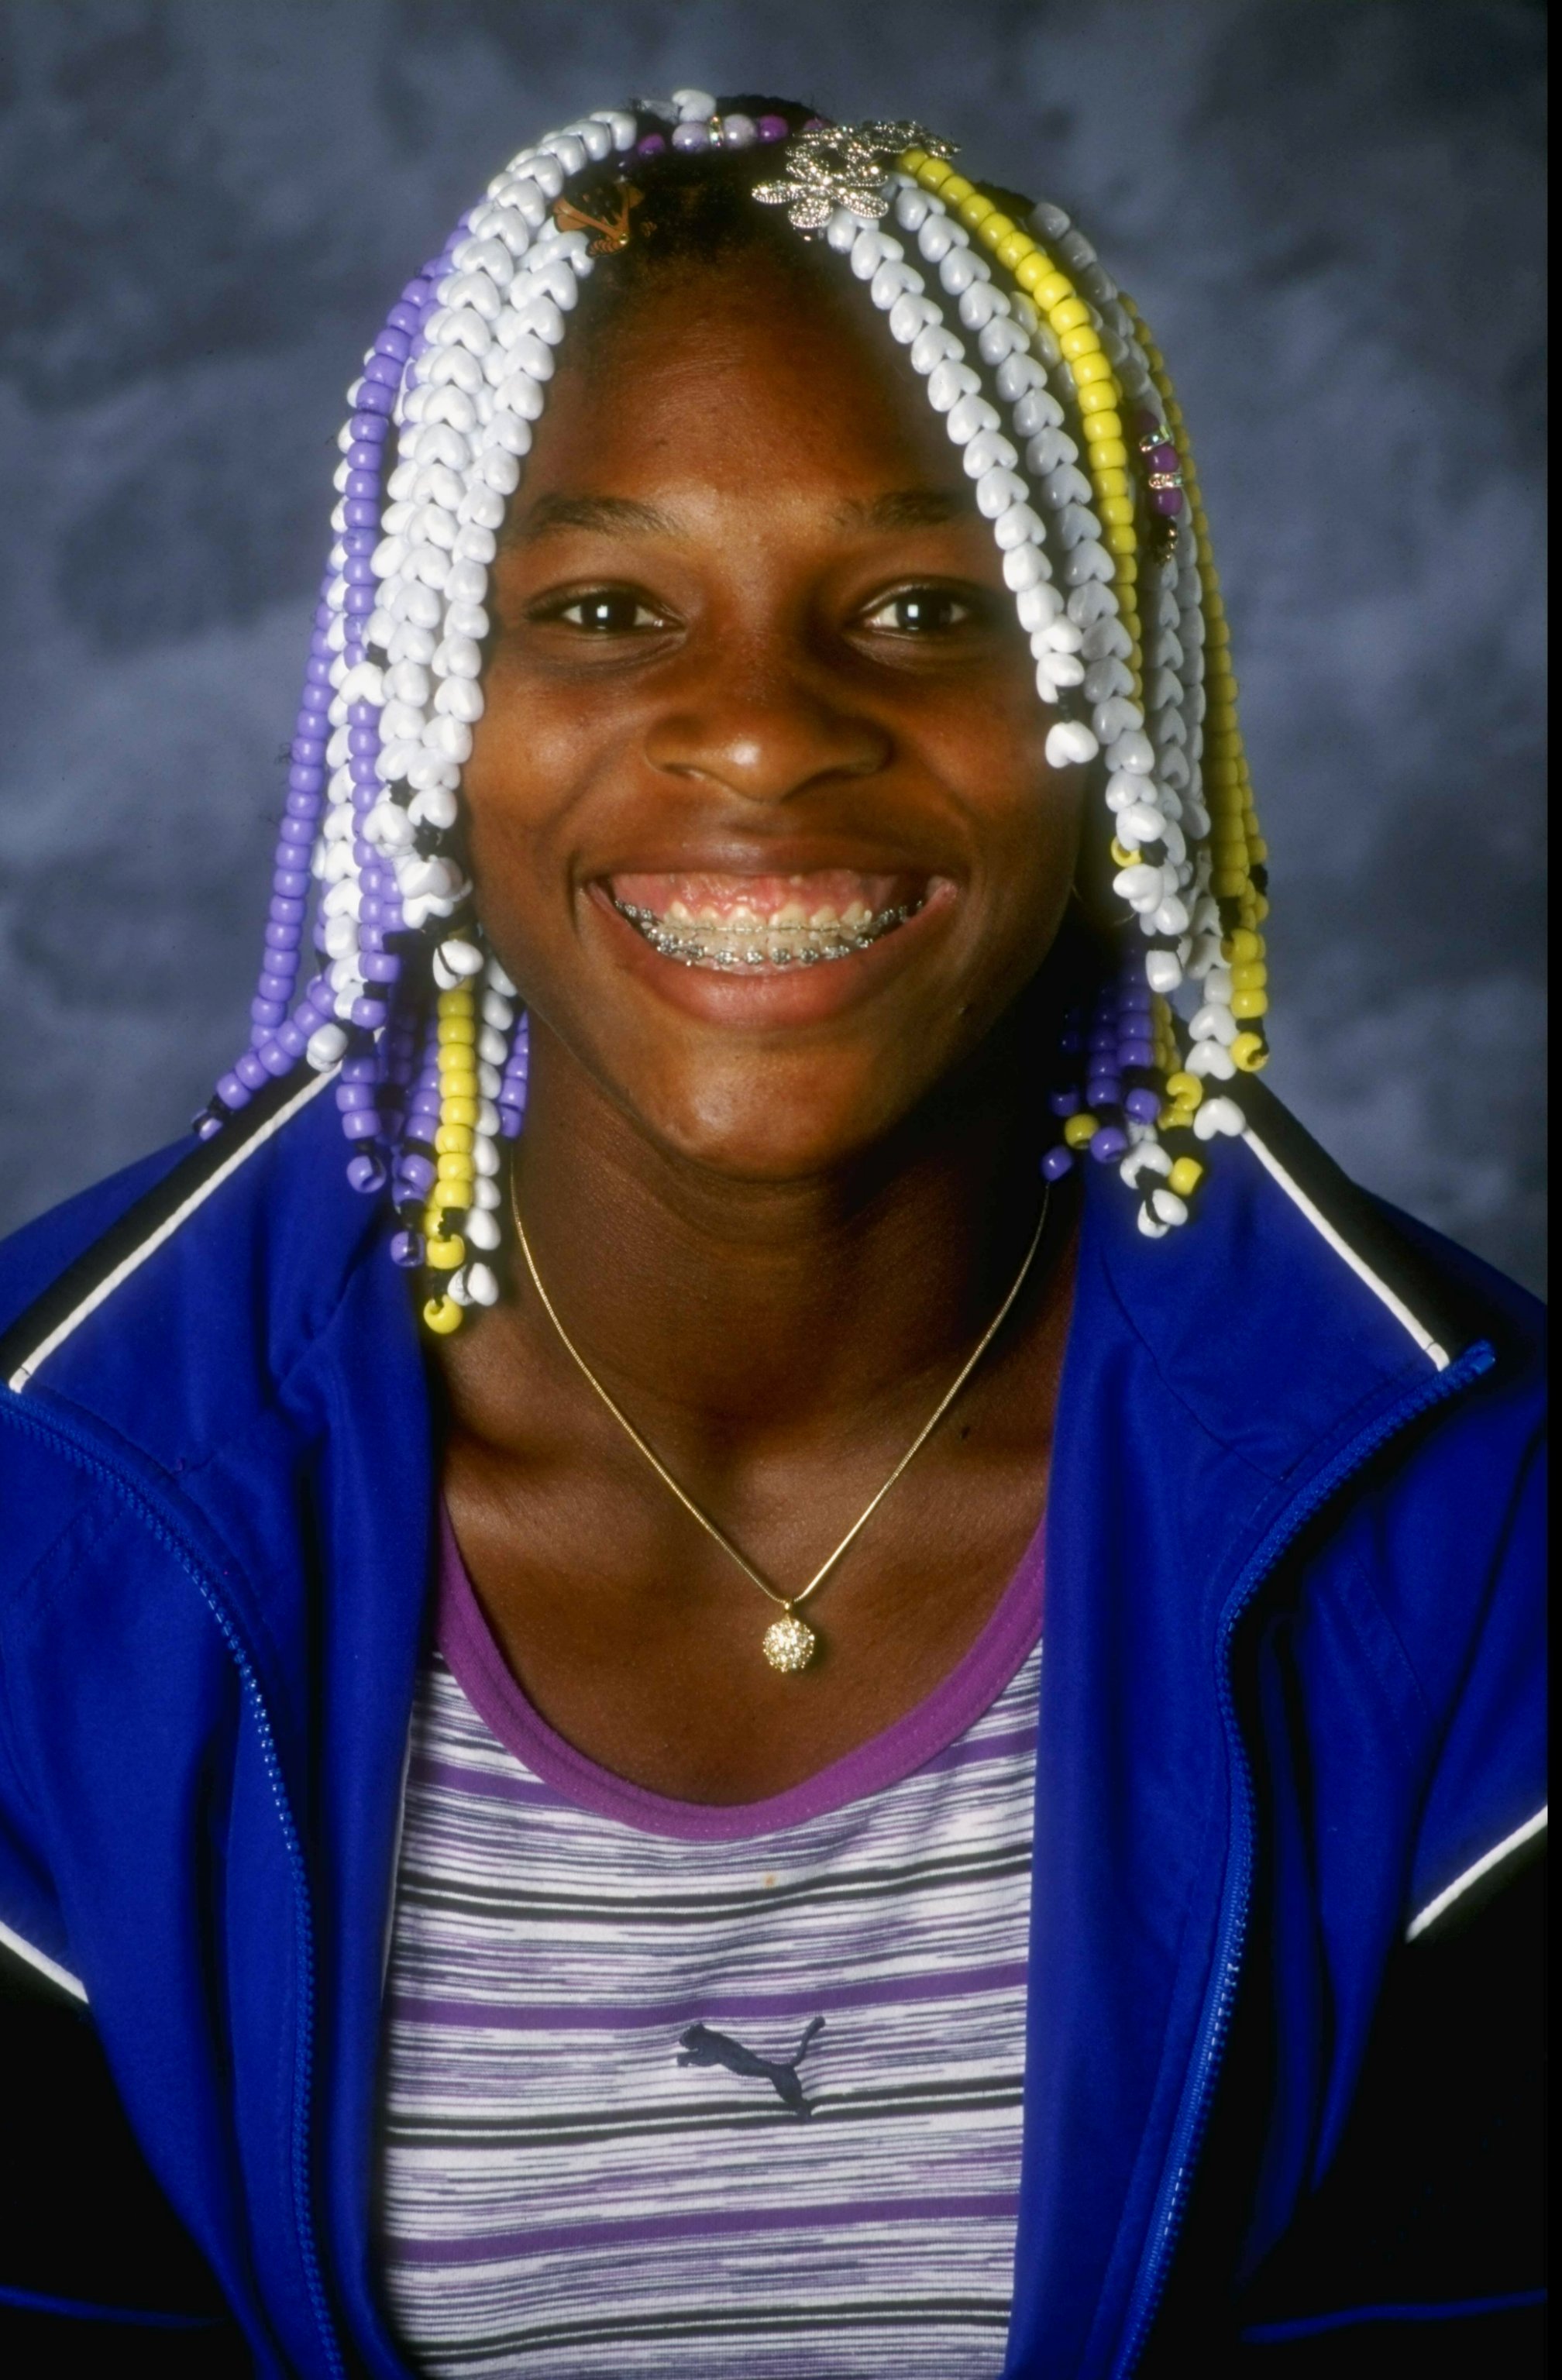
[(788, 1643)]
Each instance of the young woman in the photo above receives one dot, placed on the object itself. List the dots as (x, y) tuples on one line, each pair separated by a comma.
[(881, 1714)]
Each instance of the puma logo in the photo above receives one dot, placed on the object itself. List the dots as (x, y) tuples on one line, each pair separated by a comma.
[(699, 2045)]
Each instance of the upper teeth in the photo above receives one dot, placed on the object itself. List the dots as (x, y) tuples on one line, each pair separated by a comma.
[(742, 938)]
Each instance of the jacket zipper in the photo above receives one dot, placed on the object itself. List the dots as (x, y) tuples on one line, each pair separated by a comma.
[(1231, 1938), (158, 1528)]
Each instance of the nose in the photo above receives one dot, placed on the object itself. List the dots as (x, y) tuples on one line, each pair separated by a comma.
[(765, 736)]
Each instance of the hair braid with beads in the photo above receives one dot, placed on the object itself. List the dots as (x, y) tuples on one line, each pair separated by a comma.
[(1081, 467)]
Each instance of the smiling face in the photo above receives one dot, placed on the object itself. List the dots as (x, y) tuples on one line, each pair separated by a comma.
[(760, 822)]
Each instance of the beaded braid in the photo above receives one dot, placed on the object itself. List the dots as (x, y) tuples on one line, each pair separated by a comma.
[(1127, 634)]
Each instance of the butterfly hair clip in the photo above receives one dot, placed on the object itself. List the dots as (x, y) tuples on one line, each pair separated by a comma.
[(612, 223)]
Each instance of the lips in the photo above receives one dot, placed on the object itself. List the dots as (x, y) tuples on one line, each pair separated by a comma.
[(760, 924)]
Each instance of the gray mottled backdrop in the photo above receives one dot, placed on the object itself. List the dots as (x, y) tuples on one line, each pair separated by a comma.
[(1328, 207)]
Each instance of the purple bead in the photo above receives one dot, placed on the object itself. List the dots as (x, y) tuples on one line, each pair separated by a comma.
[(309, 749), (305, 781), (359, 512), (738, 131), (407, 1249), (364, 1068), (653, 145), (291, 883), (1064, 1103), (275, 986), (369, 460), (1143, 1106), (690, 137), (232, 1092), (1165, 500), (363, 486), (275, 1058), (1057, 1162), (366, 1174), (380, 371), (370, 1014), (417, 1173), (353, 1097), (369, 427), (268, 1012), (772, 127), (250, 1072), (1108, 1145), (317, 670), (282, 934), (1164, 458), (291, 1038), (361, 1123), (392, 343), (359, 601), (296, 829), (374, 397), (511, 1119), (381, 967)]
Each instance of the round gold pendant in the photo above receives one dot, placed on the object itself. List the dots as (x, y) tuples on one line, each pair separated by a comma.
[(790, 1642)]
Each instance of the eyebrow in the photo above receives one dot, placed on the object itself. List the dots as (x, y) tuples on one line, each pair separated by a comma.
[(607, 514), (909, 508)]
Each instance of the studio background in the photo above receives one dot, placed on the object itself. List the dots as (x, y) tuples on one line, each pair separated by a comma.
[(1328, 209)]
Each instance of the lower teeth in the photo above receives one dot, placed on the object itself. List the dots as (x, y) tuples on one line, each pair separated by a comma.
[(821, 945)]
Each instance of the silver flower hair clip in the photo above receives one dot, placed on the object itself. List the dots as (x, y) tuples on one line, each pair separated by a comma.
[(831, 165)]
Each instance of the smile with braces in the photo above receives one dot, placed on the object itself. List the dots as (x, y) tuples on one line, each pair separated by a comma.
[(737, 948)]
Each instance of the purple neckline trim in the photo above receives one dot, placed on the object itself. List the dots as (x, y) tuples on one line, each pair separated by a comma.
[(971, 1687)]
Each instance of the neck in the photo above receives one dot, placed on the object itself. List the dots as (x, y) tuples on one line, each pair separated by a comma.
[(722, 1310)]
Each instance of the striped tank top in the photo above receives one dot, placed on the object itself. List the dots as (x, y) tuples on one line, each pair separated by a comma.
[(671, 2092)]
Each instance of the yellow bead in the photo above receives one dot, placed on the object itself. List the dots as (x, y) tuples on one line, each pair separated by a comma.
[(460, 1111), (1125, 858), (458, 1002), (1250, 976), (1067, 315), (1079, 1129), (1249, 1003), (457, 1033), (1241, 948), (1185, 1176), (1054, 289), (1103, 426), (453, 1140), (1034, 268), (934, 172), (1079, 343), (1186, 1090), (441, 1314), (955, 188), (1013, 249), (911, 161), (1108, 483), (1261, 908), (445, 1255), (1249, 1052), (1120, 539), (1100, 397), (1090, 371), (1116, 508), (461, 1083), (996, 228), (1227, 882), (1105, 454), (1176, 1119)]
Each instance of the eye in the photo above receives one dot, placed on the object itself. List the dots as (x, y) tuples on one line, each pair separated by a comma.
[(920, 611), (605, 612)]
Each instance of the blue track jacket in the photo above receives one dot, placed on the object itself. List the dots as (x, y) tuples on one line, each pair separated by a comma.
[(1289, 1775)]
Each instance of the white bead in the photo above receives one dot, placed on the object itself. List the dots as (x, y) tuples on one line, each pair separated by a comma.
[(1018, 376), (1074, 526), (958, 270), (1163, 971), (1050, 221), (1053, 671), (1171, 917), (411, 644), (1169, 1208), (1149, 1226), (1087, 561), (980, 303), (499, 466), (1106, 640), (866, 254), (500, 979), (464, 619), (460, 698), (1115, 720), (1148, 1157), (570, 152), (542, 316), (1001, 337), (472, 289), (532, 357), (1140, 823), (491, 1043), (339, 936), (435, 807), (1131, 752), (996, 490), (324, 1047), (485, 1156), (1218, 1116), (435, 526), (388, 557), (595, 138), (1070, 744), (971, 414), (694, 106), (1039, 605), (510, 437), (843, 230), (482, 253), (1212, 1023), (467, 582), (474, 544), (459, 657), (934, 346), (893, 281), (948, 382), (430, 565), (1174, 769), (620, 123), (1023, 566), (1103, 679), (440, 443), (481, 1231), (481, 507), (986, 449), (499, 1012), (909, 317), (1018, 526), (1037, 410), (486, 1196), (936, 237), (449, 739), (911, 207), (1140, 886), (522, 392), (388, 827)]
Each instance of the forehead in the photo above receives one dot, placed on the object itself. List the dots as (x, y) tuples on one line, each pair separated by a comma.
[(755, 374)]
